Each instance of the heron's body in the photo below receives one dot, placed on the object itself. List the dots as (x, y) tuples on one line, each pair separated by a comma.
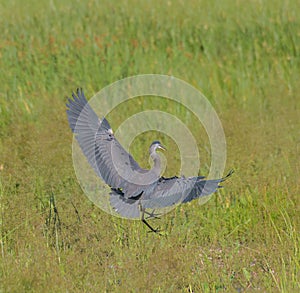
[(133, 189)]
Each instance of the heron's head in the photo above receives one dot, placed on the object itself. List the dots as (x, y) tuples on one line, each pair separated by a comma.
[(156, 145)]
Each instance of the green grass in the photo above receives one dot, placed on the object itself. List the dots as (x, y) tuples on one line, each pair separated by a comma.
[(244, 56)]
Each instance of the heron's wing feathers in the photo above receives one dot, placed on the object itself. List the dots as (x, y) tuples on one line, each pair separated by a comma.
[(115, 164), (97, 142), (202, 188), (166, 192), (205, 187), (84, 123), (80, 115), (171, 191)]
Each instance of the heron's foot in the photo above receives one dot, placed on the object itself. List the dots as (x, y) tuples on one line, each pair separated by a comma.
[(156, 231), (159, 232), (152, 215)]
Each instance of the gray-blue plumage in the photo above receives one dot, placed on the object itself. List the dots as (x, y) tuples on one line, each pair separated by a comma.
[(133, 189)]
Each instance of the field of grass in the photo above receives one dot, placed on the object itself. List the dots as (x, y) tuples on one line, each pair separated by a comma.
[(243, 55)]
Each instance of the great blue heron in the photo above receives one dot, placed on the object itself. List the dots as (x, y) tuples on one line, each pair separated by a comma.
[(134, 190)]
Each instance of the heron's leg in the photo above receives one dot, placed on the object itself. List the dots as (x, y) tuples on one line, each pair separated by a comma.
[(145, 222)]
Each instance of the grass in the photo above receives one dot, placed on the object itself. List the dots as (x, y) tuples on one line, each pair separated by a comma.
[(243, 56)]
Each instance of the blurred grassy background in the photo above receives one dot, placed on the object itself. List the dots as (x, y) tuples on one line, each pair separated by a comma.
[(244, 56)]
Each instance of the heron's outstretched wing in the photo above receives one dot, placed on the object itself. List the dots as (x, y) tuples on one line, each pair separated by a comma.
[(97, 142), (171, 191), (85, 124), (166, 192)]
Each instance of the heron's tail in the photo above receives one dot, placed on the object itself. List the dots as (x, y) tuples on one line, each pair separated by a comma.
[(127, 208)]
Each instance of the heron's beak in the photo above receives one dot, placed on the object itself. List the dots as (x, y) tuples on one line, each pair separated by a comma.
[(162, 147)]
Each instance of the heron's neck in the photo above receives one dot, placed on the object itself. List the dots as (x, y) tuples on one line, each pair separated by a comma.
[(156, 167)]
